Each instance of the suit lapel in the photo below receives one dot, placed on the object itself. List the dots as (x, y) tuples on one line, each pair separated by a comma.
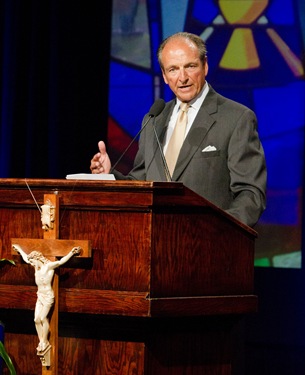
[(201, 125)]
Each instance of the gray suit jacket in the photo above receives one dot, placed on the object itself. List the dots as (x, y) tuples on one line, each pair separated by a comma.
[(233, 177)]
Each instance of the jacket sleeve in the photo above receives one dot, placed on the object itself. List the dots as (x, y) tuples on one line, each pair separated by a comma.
[(246, 162)]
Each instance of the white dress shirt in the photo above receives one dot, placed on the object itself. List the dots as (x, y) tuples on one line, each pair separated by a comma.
[(195, 105)]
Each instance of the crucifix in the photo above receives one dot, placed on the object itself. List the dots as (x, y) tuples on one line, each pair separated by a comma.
[(46, 255)]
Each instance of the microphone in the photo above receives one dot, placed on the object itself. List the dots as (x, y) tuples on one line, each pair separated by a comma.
[(156, 108), (154, 111)]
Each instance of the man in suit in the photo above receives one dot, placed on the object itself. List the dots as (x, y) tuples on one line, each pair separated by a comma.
[(221, 158)]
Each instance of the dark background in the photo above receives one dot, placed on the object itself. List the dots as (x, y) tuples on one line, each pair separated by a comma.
[(54, 64)]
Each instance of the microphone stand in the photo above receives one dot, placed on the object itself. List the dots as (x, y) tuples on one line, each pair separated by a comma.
[(166, 170), (155, 110), (131, 143)]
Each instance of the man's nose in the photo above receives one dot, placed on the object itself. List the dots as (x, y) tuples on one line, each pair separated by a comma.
[(183, 75)]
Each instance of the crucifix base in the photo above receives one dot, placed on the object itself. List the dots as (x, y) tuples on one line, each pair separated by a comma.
[(45, 356)]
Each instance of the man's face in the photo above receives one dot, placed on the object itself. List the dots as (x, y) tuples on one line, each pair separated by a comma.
[(183, 70)]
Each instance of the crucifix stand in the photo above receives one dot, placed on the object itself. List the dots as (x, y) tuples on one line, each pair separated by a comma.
[(52, 248)]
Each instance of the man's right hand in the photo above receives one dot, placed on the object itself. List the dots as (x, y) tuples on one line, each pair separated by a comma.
[(100, 163)]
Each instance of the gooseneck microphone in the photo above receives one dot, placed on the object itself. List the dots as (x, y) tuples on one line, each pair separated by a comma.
[(156, 108), (154, 111)]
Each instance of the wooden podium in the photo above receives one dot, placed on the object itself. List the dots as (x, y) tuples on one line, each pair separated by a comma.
[(169, 279)]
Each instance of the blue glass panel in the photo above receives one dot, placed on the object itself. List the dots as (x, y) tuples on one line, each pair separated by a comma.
[(281, 12), (283, 209), (280, 109), (301, 19), (155, 41), (205, 12), (176, 21), (284, 155), (130, 96)]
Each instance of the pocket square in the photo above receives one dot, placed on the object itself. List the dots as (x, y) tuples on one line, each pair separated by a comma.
[(209, 148)]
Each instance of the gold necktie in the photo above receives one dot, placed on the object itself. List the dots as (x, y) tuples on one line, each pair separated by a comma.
[(177, 138)]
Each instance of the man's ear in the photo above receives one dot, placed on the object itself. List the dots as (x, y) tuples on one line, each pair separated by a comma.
[(206, 67)]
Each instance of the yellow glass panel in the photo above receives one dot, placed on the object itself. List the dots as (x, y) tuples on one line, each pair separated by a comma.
[(241, 53), (242, 12)]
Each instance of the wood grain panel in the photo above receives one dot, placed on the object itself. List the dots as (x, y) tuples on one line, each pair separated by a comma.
[(169, 278)]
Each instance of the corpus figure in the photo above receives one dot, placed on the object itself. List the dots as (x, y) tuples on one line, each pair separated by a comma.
[(44, 272)]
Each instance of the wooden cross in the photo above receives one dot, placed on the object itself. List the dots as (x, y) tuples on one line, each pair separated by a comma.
[(52, 248)]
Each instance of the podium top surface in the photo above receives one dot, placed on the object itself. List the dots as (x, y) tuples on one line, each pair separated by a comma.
[(67, 184), (91, 193)]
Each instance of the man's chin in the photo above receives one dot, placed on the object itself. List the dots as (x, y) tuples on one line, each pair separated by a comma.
[(186, 97)]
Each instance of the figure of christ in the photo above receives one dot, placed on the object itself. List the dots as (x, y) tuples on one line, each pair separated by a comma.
[(44, 272)]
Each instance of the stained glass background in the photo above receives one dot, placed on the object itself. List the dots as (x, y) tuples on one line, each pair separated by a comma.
[(256, 57)]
